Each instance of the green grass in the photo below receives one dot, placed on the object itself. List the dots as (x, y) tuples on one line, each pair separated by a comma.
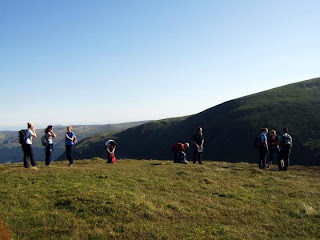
[(159, 200)]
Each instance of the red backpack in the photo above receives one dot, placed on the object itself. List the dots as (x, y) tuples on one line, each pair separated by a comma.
[(113, 158)]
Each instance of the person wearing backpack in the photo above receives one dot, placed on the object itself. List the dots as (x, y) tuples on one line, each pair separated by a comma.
[(263, 148), (286, 145), (49, 135), (28, 151), (179, 152), (71, 139)]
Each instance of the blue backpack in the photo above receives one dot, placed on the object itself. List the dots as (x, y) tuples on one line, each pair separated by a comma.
[(257, 141)]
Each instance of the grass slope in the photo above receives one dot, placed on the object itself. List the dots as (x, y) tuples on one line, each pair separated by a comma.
[(229, 128), (159, 200)]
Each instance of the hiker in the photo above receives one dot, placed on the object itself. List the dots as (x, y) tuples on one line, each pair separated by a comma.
[(110, 146), (28, 151), (71, 140), (197, 142), (274, 148), (263, 148), (49, 135), (286, 145), (179, 152)]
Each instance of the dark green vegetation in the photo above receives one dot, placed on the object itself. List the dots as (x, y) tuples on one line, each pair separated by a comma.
[(159, 200), (10, 149), (229, 128)]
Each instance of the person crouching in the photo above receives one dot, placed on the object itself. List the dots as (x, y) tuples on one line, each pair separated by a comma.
[(179, 152), (110, 146)]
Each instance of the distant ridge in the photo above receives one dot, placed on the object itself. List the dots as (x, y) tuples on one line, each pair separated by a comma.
[(229, 128), (10, 149)]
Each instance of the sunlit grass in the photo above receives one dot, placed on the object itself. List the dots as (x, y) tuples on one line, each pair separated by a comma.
[(159, 200)]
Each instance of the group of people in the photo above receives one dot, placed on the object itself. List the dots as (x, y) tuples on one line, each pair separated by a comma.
[(179, 149), (47, 141), (274, 145), (269, 146)]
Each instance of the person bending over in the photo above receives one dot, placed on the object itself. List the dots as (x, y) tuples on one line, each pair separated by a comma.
[(179, 152)]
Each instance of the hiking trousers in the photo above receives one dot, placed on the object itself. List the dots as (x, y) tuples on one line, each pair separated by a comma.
[(109, 156), (272, 151), (28, 152), (262, 157), (197, 156), (69, 153), (175, 155), (49, 149), (285, 152)]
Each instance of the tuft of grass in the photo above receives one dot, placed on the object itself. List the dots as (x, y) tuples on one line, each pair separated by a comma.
[(159, 200)]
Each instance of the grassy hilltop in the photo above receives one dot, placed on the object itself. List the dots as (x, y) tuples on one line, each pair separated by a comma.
[(159, 200), (229, 128)]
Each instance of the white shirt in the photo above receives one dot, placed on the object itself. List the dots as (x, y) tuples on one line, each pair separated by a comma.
[(29, 134), (49, 138), (108, 141)]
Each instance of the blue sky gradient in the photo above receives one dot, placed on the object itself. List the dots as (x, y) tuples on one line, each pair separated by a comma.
[(99, 62)]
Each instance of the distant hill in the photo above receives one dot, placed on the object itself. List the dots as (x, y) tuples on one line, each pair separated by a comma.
[(10, 149), (229, 128)]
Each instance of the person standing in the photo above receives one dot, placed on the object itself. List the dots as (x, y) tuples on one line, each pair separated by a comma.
[(286, 145), (197, 141), (263, 149), (49, 135), (110, 146), (70, 141), (28, 151), (179, 152), (274, 148)]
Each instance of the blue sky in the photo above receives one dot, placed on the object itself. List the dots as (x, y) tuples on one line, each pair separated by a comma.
[(99, 62)]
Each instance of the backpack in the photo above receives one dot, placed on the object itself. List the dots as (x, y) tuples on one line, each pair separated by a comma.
[(44, 140), (257, 141), (182, 158), (22, 137), (113, 158), (286, 141)]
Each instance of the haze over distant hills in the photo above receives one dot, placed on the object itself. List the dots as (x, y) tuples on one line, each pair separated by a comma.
[(10, 149), (229, 128)]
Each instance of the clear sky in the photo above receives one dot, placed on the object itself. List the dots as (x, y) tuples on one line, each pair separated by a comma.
[(98, 62)]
